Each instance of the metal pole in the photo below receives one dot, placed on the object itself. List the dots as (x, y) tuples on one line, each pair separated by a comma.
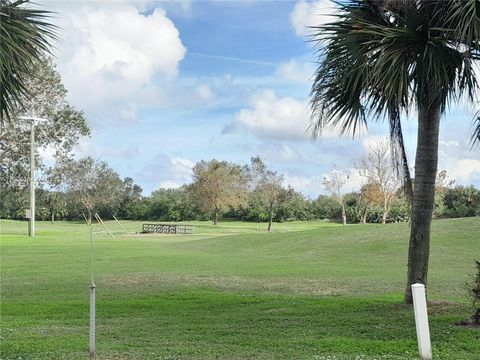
[(31, 221), (92, 321), (421, 321), (92, 291)]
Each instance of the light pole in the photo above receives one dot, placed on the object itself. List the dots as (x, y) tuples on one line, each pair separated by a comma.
[(31, 218)]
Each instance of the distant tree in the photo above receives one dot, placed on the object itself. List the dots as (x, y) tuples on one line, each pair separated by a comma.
[(370, 194), (334, 182), (218, 186), (171, 205), (442, 183), (88, 183), (377, 167), (461, 201), (267, 187), (326, 207), (294, 206), (25, 34), (130, 197), (55, 203)]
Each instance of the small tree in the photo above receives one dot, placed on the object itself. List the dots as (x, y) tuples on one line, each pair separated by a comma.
[(474, 295), (218, 186), (334, 182), (377, 167), (369, 195), (54, 202), (267, 187)]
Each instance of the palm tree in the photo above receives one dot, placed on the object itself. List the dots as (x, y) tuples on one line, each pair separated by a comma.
[(385, 58), (25, 35)]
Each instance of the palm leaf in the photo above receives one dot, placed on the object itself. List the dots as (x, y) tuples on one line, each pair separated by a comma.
[(25, 34)]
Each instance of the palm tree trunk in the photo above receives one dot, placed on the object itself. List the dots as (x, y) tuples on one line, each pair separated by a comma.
[(426, 160)]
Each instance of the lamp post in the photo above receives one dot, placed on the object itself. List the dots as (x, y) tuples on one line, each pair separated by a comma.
[(31, 218)]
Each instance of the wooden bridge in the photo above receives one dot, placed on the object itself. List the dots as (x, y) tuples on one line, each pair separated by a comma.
[(167, 229)]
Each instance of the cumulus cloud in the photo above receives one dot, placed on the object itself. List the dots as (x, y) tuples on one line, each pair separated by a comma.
[(111, 54), (307, 14), (465, 171), (296, 71), (164, 171), (272, 117)]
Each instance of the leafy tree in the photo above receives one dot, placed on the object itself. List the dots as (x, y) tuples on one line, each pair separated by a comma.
[(385, 58), (334, 182), (294, 206), (461, 201), (65, 125), (55, 203), (442, 183), (326, 207), (267, 188), (218, 186), (370, 194), (171, 205), (131, 196), (25, 34), (89, 184)]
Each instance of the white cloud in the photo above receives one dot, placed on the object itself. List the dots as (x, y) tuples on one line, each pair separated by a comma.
[(273, 117), (463, 171), (205, 93), (306, 14), (296, 71), (166, 172), (182, 169), (179, 7), (112, 53)]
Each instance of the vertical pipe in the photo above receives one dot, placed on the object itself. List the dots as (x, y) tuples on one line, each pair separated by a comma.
[(92, 320), (92, 290), (31, 221), (421, 321)]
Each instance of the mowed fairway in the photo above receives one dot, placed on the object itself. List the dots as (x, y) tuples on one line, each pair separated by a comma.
[(307, 291)]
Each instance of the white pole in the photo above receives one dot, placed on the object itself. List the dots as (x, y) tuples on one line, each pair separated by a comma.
[(92, 320), (31, 221), (92, 291), (421, 321)]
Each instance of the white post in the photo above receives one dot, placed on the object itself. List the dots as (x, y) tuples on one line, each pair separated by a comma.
[(92, 320), (421, 321), (31, 221)]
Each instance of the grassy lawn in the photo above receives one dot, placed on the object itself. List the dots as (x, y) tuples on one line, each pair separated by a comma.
[(309, 290)]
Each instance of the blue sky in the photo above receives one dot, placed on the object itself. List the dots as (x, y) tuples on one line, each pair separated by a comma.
[(166, 84)]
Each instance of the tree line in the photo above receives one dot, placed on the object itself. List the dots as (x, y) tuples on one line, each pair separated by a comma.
[(223, 190)]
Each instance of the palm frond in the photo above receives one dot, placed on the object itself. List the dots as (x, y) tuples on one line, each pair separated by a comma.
[(379, 55), (475, 138), (25, 34)]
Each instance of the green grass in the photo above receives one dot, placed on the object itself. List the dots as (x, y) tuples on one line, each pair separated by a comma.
[(310, 290)]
